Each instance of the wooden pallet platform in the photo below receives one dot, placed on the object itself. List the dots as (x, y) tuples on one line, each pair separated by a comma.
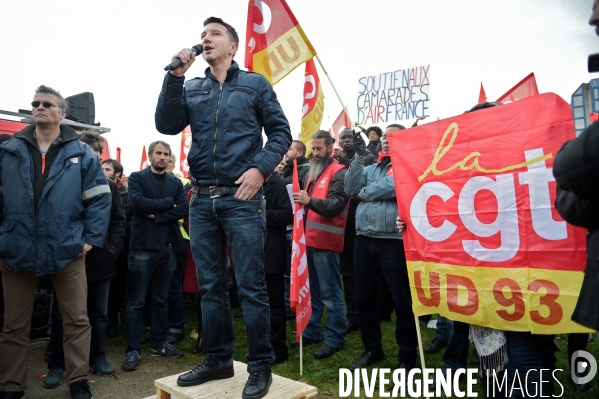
[(281, 387)]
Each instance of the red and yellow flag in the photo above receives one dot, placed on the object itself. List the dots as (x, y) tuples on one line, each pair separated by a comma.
[(276, 43), (313, 107), (484, 243)]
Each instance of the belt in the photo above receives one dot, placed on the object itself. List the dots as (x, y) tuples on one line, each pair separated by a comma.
[(217, 191)]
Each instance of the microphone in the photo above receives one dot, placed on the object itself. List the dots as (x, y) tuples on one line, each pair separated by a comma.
[(198, 48)]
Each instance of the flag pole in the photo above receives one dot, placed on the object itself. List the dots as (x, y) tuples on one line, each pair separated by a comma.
[(419, 340), (332, 85), (419, 334), (301, 357)]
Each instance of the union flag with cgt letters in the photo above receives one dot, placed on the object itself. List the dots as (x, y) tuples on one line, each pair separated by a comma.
[(483, 241), (276, 43)]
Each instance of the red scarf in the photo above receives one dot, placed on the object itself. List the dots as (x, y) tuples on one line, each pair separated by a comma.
[(382, 155)]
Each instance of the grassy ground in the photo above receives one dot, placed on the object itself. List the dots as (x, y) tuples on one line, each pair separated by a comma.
[(324, 374)]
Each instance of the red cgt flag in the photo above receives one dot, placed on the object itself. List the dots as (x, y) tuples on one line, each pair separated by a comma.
[(525, 88), (276, 43), (144, 159), (312, 110), (299, 291), (482, 96)]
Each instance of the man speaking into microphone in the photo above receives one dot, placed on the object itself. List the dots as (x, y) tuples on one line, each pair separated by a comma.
[(227, 110)]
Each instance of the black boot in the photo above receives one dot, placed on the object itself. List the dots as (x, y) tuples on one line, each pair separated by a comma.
[(199, 348)]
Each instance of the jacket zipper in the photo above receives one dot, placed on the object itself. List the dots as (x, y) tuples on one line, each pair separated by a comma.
[(220, 93)]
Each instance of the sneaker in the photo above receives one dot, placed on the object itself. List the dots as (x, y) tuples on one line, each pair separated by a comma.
[(12, 395), (131, 361), (53, 378), (80, 390), (257, 385), (167, 350), (102, 367), (204, 372)]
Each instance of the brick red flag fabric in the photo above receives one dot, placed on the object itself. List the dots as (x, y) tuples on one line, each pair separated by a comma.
[(482, 96), (525, 88), (144, 159), (340, 123)]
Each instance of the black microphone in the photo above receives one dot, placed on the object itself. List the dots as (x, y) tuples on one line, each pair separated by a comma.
[(198, 48)]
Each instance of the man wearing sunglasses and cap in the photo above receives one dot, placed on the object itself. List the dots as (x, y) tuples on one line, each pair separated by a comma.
[(54, 207)]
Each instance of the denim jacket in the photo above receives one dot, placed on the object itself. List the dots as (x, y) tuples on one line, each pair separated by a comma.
[(376, 214)]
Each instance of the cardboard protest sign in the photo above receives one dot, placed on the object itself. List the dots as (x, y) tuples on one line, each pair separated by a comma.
[(393, 96), (484, 242)]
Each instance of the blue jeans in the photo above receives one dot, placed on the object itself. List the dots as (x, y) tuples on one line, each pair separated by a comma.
[(155, 267), (375, 257), (528, 351), (97, 311), (214, 222), (176, 308), (325, 290), (442, 334)]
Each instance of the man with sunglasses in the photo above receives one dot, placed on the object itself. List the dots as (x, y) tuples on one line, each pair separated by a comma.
[(54, 207)]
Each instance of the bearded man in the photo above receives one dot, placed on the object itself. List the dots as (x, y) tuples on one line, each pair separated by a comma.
[(326, 205)]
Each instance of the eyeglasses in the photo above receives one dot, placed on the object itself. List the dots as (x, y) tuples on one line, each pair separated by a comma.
[(46, 104)]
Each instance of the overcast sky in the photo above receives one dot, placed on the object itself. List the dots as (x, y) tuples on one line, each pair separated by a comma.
[(117, 50)]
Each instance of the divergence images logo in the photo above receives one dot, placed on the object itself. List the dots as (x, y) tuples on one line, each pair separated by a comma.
[(578, 368)]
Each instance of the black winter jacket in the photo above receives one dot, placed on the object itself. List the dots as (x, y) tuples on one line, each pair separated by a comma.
[(278, 215), (99, 262), (576, 170), (303, 166)]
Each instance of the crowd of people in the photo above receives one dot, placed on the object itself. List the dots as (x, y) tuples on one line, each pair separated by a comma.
[(108, 241)]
